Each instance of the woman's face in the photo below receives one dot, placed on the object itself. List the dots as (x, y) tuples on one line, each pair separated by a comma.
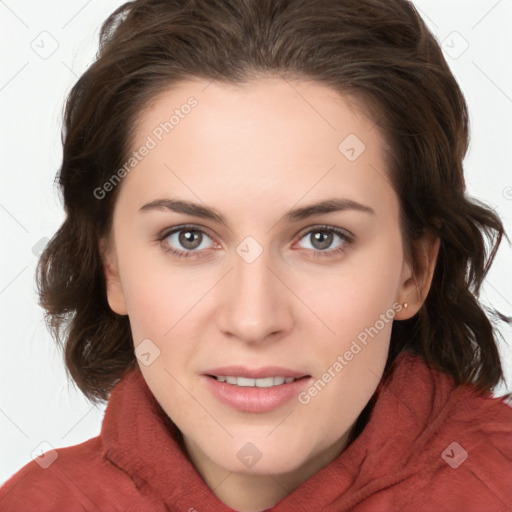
[(226, 269)]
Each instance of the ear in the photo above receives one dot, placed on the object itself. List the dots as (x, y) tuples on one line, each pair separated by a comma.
[(417, 275), (115, 294)]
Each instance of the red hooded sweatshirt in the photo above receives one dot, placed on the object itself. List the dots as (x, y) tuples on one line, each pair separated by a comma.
[(428, 446)]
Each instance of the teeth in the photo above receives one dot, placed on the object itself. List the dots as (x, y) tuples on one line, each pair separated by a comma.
[(266, 382), (244, 382)]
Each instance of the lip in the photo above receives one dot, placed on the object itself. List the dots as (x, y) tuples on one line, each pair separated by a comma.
[(256, 373), (255, 399)]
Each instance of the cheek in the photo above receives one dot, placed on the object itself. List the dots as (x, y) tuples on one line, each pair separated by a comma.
[(161, 309), (354, 295), (157, 293), (358, 306), (149, 311), (165, 304)]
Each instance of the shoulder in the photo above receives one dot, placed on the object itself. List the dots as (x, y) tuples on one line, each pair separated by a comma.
[(471, 465), (460, 454), (52, 479), (75, 478), (485, 423)]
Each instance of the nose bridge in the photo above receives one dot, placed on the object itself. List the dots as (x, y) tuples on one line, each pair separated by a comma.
[(255, 305)]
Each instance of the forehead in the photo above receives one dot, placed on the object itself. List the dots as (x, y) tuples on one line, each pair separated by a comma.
[(271, 136), (297, 112)]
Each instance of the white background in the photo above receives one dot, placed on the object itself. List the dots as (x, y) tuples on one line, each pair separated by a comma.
[(37, 404)]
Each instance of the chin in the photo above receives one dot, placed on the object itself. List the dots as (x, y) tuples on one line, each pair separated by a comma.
[(263, 456)]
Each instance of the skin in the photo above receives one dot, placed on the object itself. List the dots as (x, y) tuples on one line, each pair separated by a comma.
[(252, 153)]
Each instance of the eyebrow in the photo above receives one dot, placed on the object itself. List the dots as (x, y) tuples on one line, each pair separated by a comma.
[(197, 210)]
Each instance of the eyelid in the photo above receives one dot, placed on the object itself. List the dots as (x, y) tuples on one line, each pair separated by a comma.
[(162, 235), (326, 227)]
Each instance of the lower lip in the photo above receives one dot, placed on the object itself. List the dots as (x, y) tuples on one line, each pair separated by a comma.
[(254, 399)]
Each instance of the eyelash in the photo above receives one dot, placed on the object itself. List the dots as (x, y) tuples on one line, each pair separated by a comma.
[(346, 240)]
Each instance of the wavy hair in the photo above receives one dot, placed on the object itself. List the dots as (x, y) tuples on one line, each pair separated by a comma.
[(379, 51)]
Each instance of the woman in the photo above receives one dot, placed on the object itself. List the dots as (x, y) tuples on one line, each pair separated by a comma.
[(270, 268)]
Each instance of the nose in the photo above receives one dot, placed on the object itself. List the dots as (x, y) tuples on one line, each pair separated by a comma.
[(255, 304)]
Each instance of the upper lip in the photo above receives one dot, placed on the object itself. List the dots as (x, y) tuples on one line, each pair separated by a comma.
[(255, 373)]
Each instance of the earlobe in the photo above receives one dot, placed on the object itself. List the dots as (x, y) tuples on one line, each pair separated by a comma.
[(115, 294), (417, 277)]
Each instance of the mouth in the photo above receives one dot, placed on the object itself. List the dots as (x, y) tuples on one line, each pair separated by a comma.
[(247, 382), (255, 390)]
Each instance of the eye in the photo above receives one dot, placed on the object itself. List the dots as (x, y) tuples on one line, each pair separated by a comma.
[(185, 240), (323, 237)]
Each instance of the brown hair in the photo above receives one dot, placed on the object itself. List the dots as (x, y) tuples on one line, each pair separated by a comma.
[(380, 51)]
